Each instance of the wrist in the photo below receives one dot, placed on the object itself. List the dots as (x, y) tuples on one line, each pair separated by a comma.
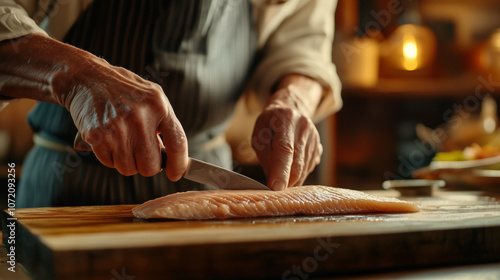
[(299, 92), (70, 64)]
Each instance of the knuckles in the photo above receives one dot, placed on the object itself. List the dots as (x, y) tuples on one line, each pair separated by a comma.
[(178, 144), (95, 136), (119, 110), (297, 170), (284, 147)]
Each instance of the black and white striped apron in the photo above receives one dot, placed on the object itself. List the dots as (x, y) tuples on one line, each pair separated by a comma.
[(200, 52)]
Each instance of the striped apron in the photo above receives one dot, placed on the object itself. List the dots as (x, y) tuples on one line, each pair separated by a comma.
[(200, 52)]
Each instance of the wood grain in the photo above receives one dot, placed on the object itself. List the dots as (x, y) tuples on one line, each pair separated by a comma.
[(101, 242)]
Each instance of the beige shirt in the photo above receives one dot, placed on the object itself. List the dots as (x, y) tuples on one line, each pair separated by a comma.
[(294, 37)]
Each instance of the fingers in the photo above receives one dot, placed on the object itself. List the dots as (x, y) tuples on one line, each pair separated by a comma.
[(274, 146), (124, 162), (307, 153), (147, 155), (104, 157), (307, 157), (175, 142), (120, 116), (298, 171), (292, 151), (143, 158), (282, 159)]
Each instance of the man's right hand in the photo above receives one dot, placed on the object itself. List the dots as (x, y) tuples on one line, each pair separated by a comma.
[(117, 112)]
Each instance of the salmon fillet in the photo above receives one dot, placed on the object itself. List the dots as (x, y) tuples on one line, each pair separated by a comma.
[(307, 200)]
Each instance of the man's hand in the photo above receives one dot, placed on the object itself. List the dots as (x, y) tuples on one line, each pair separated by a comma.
[(285, 140), (117, 112)]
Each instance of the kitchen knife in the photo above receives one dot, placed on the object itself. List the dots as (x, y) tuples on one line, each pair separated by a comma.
[(200, 172), (215, 176)]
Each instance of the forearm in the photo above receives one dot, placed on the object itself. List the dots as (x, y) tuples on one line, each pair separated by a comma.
[(300, 92), (117, 112), (38, 67), (301, 44)]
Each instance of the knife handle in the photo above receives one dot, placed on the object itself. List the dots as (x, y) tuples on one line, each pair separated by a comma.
[(163, 158), (80, 144)]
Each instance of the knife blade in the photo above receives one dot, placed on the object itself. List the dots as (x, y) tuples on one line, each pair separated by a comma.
[(200, 172), (215, 176)]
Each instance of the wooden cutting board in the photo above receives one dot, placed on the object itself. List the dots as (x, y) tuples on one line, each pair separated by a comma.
[(107, 242)]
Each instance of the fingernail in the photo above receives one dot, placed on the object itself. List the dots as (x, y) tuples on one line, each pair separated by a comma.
[(278, 186)]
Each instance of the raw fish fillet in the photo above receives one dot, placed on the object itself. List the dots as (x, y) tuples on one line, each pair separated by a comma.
[(307, 200)]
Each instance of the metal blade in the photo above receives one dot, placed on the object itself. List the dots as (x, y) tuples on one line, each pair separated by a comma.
[(215, 176), (200, 172)]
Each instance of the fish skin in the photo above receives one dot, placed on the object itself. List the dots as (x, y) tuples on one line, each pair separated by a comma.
[(306, 200)]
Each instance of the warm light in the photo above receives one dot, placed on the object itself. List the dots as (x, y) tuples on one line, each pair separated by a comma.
[(410, 53), (495, 39), (409, 47), (489, 125)]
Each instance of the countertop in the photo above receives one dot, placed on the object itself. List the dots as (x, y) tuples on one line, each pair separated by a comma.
[(464, 272), (469, 228)]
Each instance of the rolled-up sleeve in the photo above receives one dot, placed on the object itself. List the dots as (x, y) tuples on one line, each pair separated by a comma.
[(300, 43), (15, 21)]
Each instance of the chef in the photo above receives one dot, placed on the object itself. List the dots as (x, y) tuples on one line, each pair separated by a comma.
[(134, 76)]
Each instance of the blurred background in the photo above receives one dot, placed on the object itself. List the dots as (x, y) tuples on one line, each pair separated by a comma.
[(403, 64)]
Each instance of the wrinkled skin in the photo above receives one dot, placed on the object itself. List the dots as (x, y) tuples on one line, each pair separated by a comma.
[(117, 112), (285, 139), (121, 115)]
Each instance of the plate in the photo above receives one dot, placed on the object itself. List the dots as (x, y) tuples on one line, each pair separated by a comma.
[(473, 179), (414, 187), (490, 163)]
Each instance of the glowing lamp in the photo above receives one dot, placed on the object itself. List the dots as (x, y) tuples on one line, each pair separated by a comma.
[(410, 47), (410, 53)]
